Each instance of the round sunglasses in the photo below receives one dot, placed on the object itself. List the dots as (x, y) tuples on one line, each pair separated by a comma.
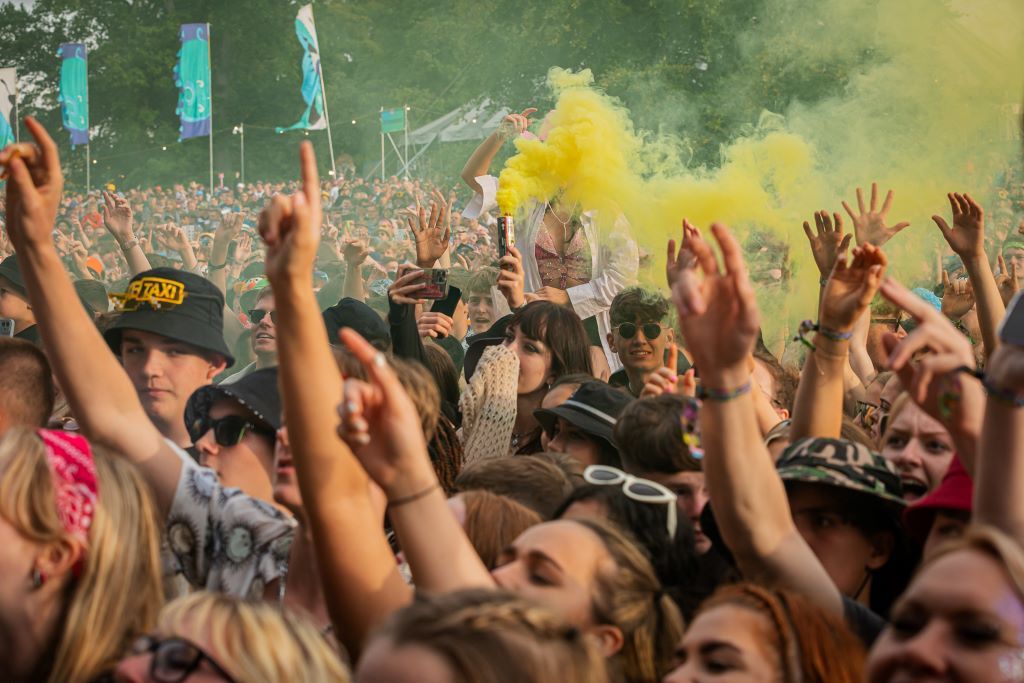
[(635, 488), (257, 315), (628, 330), (175, 659), (228, 430)]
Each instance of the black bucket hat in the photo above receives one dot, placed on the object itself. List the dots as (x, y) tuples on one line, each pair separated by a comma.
[(256, 391), (178, 305), (358, 316), (594, 408)]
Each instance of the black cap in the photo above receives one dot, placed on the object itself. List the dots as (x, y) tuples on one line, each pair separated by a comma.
[(175, 304), (256, 391), (594, 408), (492, 336), (10, 271), (355, 314)]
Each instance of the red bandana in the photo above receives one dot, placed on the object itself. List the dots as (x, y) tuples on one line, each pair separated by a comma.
[(74, 482)]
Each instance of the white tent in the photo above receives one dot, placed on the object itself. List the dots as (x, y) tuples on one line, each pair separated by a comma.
[(468, 122)]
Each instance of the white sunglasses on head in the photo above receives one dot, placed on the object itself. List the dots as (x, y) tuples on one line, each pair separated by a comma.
[(635, 488)]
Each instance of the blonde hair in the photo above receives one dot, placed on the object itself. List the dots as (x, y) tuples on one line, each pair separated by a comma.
[(119, 592), (630, 598), (489, 636), (991, 542), (253, 641)]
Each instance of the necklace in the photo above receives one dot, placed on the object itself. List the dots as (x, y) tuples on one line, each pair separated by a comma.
[(566, 223)]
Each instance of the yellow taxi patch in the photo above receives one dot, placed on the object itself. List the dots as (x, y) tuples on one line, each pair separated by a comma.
[(155, 291)]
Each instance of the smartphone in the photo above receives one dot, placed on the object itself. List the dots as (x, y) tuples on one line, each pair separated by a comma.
[(436, 287), (1011, 330), (506, 235), (448, 304), (6, 327)]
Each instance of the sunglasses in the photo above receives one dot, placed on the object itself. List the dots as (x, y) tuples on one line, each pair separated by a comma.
[(256, 315), (635, 488), (229, 430), (175, 659), (628, 330)]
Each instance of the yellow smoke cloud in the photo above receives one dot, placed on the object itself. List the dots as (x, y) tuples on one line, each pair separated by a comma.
[(930, 112)]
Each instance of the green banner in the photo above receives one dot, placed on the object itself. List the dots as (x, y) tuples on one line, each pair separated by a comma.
[(392, 120)]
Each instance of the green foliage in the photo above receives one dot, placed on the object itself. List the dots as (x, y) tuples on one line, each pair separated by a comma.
[(679, 65)]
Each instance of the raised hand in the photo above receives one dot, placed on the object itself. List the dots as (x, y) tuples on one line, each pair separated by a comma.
[(1007, 280), (511, 278), (933, 381), (515, 125), (869, 225), (432, 234), (118, 217), (827, 241), (354, 251), (244, 249), (665, 379), (290, 227), (34, 187), (434, 325), (851, 287), (380, 424), (967, 236), (229, 228), (957, 297), (718, 313)]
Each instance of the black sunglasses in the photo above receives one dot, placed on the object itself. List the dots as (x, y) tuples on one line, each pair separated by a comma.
[(175, 659), (229, 430), (256, 315), (628, 330)]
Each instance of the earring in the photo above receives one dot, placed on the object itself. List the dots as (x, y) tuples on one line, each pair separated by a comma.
[(38, 578)]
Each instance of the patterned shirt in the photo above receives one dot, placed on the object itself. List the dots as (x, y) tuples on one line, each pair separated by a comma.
[(221, 539), (572, 269)]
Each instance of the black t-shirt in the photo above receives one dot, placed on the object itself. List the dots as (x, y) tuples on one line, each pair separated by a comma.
[(862, 621)]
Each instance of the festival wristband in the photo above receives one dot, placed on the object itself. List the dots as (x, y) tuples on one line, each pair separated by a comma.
[(414, 497), (129, 245), (213, 267), (722, 395), (832, 335), (1007, 396)]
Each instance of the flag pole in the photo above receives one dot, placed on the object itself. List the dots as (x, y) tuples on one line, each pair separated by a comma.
[(17, 117), (382, 144), (209, 59), (323, 93), (88, 135)]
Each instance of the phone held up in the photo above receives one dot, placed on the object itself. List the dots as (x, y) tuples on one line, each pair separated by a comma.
[(506, 235), (6, 327), (436, 286)]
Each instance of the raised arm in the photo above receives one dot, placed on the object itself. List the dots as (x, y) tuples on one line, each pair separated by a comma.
[(719, 320), (967, 238), (999, 475), (100, 394), (360, 576), (228, 231), (818, 410), (934, 381), (480, 161), (118, 219)]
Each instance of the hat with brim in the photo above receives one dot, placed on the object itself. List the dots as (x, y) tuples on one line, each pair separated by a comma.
[(953, 494), (356, 315), (251, 295), (492, 336), (10, 276), (593, 408), (257, 392), (174, 304)]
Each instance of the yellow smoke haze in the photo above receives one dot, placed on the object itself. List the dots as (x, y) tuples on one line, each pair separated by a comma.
[(931, 111)]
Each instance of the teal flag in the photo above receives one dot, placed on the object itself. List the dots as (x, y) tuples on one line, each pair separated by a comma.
[(192, 76), (74, 92), (312, 83), (392, 120)]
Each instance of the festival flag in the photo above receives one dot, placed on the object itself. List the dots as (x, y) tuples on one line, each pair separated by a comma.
[(8, 106), (74, 92), (192, 76), (312, 81), (392, 120)]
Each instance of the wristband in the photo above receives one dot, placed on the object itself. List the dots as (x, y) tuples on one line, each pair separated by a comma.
[(823, 281), (129, 245), (721, 395), (210, 268), (414, 497), (832, 335), (1006, 396)]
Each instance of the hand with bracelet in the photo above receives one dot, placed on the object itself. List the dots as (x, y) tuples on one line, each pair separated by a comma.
[(850, 288), (718, 314)]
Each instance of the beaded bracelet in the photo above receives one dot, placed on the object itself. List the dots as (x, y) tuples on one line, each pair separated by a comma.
[(705, 394), (807, 326)]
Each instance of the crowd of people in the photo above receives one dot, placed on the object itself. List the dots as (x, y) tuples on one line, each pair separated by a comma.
[(330, 431)]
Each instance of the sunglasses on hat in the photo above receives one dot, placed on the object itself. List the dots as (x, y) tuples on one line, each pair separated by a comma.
[(256, 315), (229, 430), (628, 330)]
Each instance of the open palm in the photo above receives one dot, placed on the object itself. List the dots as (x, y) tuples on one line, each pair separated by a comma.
[(870, 224), (851, 287)]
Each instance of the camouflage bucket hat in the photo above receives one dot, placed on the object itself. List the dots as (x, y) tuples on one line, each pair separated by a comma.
[(841, 463)]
